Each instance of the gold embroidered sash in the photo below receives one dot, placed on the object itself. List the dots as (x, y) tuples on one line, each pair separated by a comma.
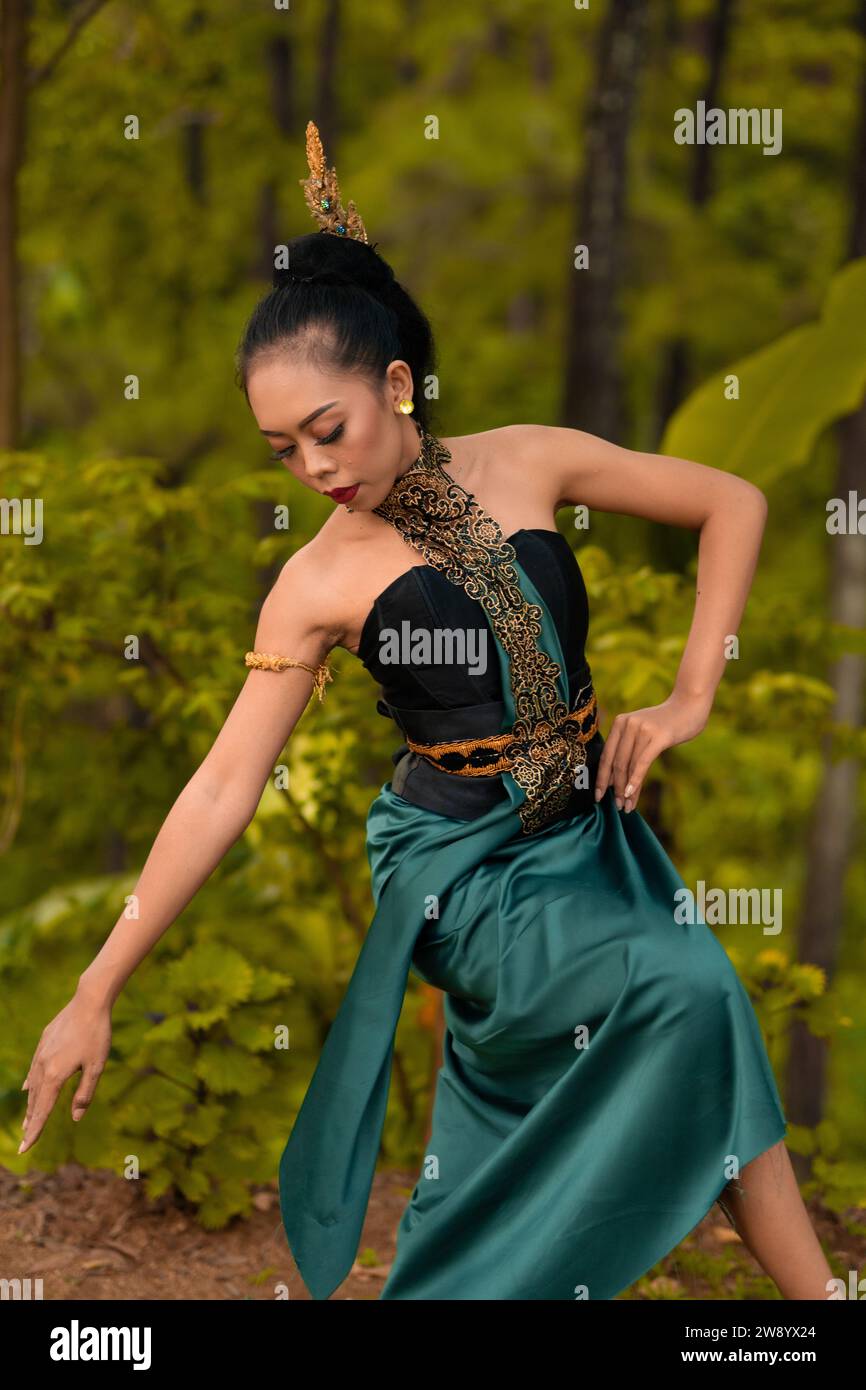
[(437, 516)]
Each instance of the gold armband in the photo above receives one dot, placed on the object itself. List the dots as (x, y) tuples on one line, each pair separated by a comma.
[(266, 661)]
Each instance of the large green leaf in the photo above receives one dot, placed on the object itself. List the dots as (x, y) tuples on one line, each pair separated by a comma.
[(789, 392)]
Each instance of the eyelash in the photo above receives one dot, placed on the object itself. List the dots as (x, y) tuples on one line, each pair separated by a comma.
[(329, 439)]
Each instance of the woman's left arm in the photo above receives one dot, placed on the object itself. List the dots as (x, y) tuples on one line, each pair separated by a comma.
[(730, 514)]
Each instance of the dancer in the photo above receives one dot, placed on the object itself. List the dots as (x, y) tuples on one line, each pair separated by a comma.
[(604, 1078)]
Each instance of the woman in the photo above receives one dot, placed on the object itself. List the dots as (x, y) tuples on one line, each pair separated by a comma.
[(604, 1078)]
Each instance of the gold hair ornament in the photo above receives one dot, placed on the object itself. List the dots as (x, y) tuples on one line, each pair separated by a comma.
[(322, 193)]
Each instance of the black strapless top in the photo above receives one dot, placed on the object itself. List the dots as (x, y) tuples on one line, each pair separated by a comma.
[(452, 700)]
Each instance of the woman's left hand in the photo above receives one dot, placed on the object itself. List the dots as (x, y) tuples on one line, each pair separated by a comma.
[(635, 739)]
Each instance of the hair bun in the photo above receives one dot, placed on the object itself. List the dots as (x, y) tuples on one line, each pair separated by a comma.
[(325, 259), (316, 277)]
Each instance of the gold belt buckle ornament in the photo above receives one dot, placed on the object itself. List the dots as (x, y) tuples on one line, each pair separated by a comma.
[(546, 750)]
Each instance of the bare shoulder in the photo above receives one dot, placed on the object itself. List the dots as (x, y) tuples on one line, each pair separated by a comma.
[(558, 459), (515, 461), (302, 606), (510, 447), (500, 443), (552, 442), (484, 457)]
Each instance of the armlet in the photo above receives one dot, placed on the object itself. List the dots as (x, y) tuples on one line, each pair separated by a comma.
[(267, 661)]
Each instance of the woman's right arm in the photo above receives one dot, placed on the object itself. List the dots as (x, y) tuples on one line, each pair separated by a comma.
[(210, 814)]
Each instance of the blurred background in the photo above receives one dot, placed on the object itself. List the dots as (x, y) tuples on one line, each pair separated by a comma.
[(150, 162)]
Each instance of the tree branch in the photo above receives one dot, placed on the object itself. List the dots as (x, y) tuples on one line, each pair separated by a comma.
[(84, 15)]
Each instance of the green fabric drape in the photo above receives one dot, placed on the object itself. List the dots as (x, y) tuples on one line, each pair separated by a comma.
[(603, 1071)]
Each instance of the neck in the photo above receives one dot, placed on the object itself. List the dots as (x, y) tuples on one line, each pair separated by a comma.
[(414, 447), (427, 452)]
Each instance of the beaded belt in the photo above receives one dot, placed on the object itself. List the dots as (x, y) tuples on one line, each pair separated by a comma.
[(486, 757)]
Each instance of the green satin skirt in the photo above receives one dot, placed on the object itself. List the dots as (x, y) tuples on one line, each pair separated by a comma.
[(604, 1074)]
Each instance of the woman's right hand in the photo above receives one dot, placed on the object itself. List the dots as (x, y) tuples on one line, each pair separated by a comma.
[(78, 1038)]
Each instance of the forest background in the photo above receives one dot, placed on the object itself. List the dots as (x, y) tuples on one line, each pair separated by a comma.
[(150, 159)]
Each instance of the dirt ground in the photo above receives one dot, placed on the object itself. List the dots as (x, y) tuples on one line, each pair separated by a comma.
[(92, 1235)]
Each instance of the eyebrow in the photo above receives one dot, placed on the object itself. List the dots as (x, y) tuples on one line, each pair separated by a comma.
[(302, 424)]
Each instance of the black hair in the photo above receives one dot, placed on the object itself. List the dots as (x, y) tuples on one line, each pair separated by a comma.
[(352, 316)]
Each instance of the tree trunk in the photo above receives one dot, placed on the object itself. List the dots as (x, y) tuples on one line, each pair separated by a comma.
[(327, 97), (674, 374), (272, 232), (13, 109), (831, 839), (592, 387), (17, 82)]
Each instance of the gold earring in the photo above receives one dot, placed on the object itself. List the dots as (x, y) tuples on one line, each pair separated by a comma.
[(406, 406)]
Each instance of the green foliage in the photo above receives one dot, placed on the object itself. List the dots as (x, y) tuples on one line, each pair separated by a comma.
[(197, 1088), (841, 1182), (368, 1258), (788, 392), (146, 257)]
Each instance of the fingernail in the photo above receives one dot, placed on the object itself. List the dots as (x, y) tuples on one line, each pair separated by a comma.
[(598, 794), (76, 1114), (619, 803), (628, 806), (21, 1145), (629, 789)]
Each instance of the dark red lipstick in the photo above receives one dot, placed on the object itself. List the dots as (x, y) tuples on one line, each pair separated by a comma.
[(343, 494)]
